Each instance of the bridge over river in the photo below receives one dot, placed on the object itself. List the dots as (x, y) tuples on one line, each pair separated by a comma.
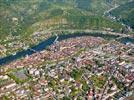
[(44, 44)]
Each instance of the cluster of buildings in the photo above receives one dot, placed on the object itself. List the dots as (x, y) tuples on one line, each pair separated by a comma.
[(76, 68), (13, 44)]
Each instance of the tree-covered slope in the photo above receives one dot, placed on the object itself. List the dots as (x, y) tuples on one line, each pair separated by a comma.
[(18, 16), (74, 19), (125, 13)]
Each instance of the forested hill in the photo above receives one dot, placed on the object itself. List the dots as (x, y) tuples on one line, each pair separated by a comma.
[(23, 17), (126, 13)]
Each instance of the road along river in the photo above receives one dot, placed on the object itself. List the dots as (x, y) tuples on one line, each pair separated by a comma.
[(44, 44)]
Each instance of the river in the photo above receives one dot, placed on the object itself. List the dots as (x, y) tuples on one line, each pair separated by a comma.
[(44, 44)]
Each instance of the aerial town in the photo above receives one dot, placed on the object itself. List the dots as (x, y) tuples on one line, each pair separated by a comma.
[(66, 49), (80, 68)]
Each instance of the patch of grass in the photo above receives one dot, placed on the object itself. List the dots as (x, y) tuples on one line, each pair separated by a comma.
[(98, 81), (76, 74), (19, 76)]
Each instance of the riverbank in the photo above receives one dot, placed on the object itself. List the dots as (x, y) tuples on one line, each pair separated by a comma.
[(44, 44), (14, 44)]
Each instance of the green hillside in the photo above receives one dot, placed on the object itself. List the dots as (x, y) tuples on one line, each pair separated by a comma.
[(125, 13), (73, 19), (18, 17)]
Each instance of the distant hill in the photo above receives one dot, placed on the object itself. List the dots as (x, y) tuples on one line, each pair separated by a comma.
[(18, 17), (74, 19), (125, 13)]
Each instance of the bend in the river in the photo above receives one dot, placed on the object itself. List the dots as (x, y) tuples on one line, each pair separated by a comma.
[(41, 46)]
